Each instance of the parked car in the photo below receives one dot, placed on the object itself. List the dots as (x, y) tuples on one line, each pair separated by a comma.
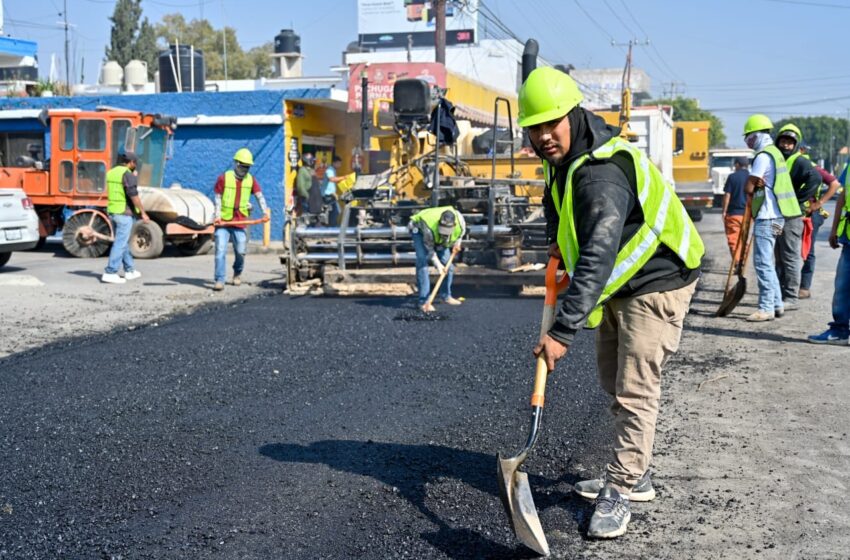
[(18, 223)]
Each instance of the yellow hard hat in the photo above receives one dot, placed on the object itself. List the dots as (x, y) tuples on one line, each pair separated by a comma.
[(243, 155), (546, 95), (757, 123)]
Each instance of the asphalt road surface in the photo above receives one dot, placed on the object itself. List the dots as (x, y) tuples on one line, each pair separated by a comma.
[(294, 428)]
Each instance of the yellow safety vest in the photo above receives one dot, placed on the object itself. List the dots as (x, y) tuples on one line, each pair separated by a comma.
[(430, 217), (665, 221), (228, 198), (783, 189), (842, 221), (115, 196)]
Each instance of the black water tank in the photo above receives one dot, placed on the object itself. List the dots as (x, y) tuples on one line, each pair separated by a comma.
[(287, 42), (173, 67)]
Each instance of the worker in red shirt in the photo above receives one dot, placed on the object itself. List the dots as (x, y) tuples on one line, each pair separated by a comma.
[(233, 191)]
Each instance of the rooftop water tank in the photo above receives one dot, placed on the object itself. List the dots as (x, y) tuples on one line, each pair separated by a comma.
[(184, 66), (287, 42), (111, 74), (135, 74)]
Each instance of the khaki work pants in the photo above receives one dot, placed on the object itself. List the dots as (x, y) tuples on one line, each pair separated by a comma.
[(636, 338)]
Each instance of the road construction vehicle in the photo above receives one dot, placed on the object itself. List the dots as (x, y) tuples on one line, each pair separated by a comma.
[(503, 213), (61, 161)]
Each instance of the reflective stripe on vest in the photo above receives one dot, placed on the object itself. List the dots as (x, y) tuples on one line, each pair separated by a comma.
[(783, 189), (228, 197), (665, 221), (430, 217), (115, 195)]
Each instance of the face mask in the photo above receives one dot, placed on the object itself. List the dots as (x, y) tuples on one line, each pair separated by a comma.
[(751, 139)]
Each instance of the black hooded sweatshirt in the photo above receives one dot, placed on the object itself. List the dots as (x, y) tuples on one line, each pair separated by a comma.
[(607, 214)]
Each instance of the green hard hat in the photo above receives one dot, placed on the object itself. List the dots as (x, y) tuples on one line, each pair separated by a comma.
[(796, 133), (546, 95), (756, 123), (243, 155)]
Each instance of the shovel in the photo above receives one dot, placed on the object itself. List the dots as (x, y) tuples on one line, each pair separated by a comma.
[(514, 489), (733, 295), (439, 281)]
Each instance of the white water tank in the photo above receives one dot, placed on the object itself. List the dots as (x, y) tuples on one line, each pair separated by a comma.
[(135, 74), (111, 74)]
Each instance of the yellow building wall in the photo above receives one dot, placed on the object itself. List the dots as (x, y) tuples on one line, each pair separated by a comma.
[(691, 164), (315, 120)]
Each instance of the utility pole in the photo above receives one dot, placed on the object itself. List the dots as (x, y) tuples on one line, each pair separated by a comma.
[(626, 89), (440, 31), (67, 58)]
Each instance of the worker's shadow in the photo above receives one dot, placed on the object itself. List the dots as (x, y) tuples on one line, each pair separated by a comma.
[(410, 468), (199, 282)]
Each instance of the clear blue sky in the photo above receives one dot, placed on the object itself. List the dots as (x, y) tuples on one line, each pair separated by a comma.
[(781, 57)]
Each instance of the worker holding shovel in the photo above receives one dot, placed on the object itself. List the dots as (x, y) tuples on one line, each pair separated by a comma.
[(633, 256), (436, 234), (233, 192)]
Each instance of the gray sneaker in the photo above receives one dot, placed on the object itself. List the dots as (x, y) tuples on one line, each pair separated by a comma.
[(642, 492), (611, 516)]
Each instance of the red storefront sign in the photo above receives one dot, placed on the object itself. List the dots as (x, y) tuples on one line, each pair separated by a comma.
[(383, 75)]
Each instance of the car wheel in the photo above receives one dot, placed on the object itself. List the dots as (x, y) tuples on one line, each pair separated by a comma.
[(4, 258)]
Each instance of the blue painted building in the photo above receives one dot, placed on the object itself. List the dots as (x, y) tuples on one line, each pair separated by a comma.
[(211, 127)]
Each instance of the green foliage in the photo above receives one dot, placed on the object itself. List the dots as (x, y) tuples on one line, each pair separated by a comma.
[(125, 27), (146, 46), (200, 33), (128, 39), (687, 109), (826, 135)]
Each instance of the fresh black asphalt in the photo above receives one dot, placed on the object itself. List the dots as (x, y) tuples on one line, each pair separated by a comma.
[(293, 428)]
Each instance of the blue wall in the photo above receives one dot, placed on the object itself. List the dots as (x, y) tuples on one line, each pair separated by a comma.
[(201, 153)]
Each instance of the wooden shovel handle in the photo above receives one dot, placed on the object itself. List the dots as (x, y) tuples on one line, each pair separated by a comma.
[(740, 245), (538, 394)]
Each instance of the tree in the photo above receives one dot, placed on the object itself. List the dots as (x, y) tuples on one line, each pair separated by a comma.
[(826, 135), (687, 109), (200, 33), (125, 26), (146, 46)]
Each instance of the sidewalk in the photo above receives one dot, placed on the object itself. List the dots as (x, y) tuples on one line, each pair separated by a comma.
[(754, 463)]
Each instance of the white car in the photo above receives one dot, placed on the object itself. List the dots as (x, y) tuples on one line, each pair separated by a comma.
[(18, 223)]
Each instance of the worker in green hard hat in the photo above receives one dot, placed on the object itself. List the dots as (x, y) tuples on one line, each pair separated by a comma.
[(773, 202), (233, 191), (634, 257)]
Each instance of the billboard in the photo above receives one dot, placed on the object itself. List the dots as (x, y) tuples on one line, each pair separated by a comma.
[(397, 23), (382, 76)]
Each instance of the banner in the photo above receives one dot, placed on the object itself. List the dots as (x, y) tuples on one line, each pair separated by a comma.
[(402, 23), (383, 75)]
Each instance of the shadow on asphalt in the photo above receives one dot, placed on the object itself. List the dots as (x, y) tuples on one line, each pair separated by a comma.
[(409, 468), (89, 273), (199, 282), (755, 335), (7, 269)]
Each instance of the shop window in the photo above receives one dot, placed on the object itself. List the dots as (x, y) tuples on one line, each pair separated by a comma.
[(91, 135), (91, 177)]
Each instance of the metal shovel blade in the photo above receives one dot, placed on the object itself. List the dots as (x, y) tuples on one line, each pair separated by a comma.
[(515, 493), (732, 297)]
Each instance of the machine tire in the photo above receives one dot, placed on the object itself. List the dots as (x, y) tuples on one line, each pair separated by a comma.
[(695, 214), (72, 243), (200, 246), (146, 240), (4, 258)]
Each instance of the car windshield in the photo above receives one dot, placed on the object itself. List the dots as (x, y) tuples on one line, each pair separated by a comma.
[(722, 161)]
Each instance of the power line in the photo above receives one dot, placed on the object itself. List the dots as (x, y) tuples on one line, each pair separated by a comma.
[(596, 23), (778, 105)]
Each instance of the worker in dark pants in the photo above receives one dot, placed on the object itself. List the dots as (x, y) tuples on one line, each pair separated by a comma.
[(633, 255), (819, 214), (123, 206)]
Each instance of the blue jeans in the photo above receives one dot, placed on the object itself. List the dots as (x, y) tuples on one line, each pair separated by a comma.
[(223, 236), (120, 251), (333, 213), (809, 266), (841, 295), (770, 293), (423, 281)]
